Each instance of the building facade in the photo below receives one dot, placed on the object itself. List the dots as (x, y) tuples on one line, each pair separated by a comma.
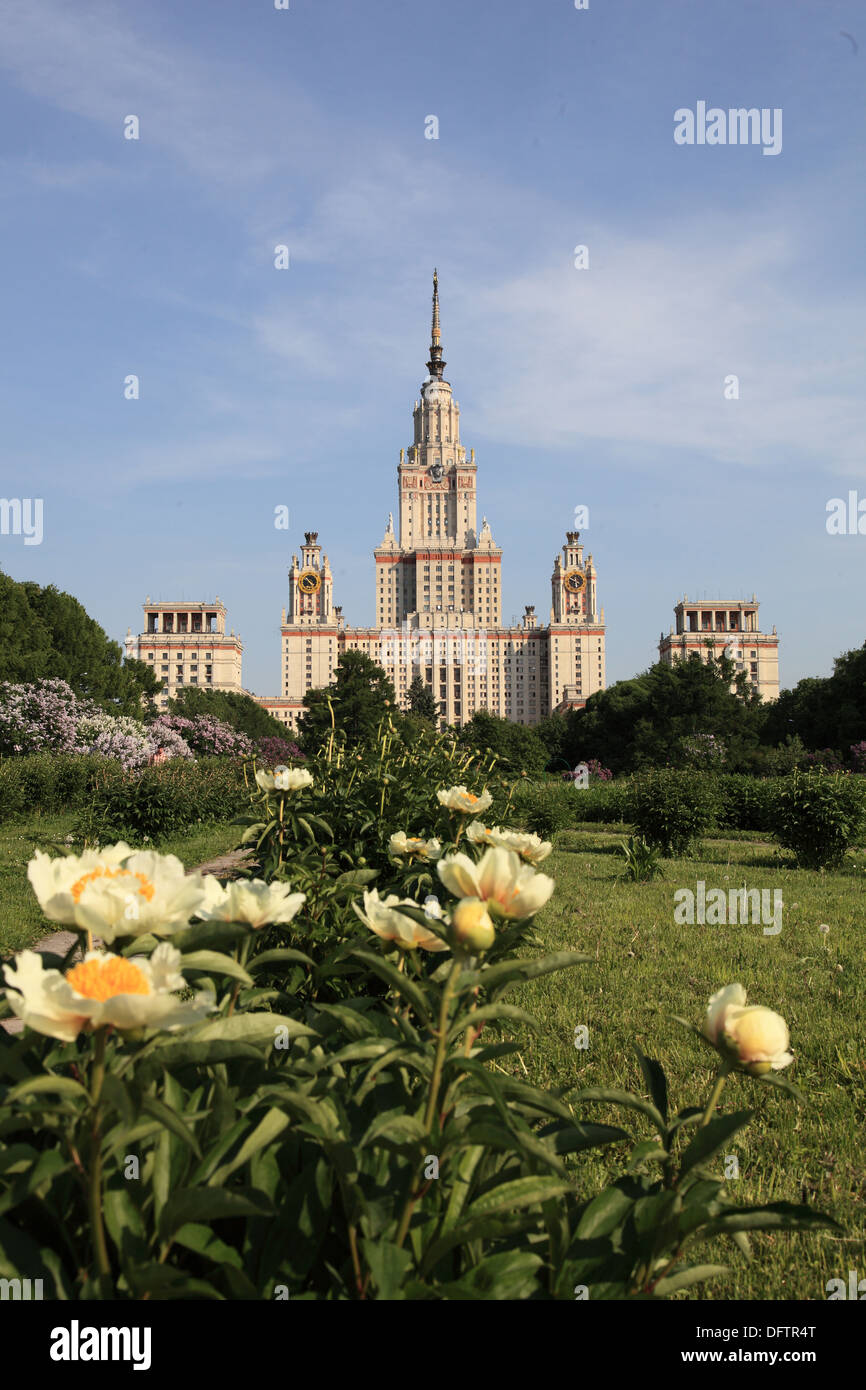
[(438, 594), (187, 644), (729, 627)]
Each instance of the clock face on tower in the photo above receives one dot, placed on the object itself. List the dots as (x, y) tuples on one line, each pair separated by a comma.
[(436, 472), (575, 581), (309, 581)]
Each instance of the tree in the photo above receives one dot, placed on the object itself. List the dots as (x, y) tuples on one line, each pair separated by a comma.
[(361, 697), (518, 745), (46, 632), (420, 700), (826, 712), (230, 707), (642, 722)]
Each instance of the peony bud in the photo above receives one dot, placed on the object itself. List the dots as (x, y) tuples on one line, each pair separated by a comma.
[(471, 925)]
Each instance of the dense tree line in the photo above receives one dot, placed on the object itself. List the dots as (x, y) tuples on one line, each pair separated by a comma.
[(47, 633)]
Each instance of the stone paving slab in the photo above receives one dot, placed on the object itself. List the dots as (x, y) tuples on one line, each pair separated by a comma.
[(58, 943)]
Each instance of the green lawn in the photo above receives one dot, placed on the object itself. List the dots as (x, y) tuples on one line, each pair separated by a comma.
[(646, 968), (21, 920)]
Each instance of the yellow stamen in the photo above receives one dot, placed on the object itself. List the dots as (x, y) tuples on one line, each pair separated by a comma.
[(146, 889), (103, 979)]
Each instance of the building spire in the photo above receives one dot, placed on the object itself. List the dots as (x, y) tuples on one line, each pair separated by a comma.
[(436, 365)]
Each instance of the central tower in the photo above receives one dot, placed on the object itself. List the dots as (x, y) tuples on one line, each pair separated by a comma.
[(439, 569), (436, 484)]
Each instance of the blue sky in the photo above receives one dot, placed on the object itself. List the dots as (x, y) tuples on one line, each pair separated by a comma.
[(601, 387)]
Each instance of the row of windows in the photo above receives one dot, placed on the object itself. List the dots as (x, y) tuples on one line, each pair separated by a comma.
[(208, 656)]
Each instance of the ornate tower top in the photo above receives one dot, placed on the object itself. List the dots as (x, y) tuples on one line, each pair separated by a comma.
[(436, 365)]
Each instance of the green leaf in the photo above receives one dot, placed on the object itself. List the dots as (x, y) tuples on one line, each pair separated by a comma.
[(656, 1081), (265, 1132), (522, 1192), (494, 976), (396, 979), (685, 1276), (209, 935), (774, 1216), (713, 1137), (604, 1214), (396, 1127), (40, 1085), (171, 1120), (647, 1151), (574, 1138), (124, 1223), (257, 1028), (623, 1098), (388, 1264), (280, 954), (512, 1275), (205, 1204), (202, 1240), (218, 963), (499, 1010)]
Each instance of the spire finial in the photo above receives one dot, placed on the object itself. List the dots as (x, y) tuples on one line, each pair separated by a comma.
[(436, 365)]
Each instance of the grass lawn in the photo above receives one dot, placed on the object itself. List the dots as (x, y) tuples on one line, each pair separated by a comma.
[(21, 919), (646, 968)]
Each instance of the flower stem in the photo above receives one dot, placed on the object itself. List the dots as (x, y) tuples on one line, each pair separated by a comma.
[(723, 1071), (100, 1249), (435, 1081)]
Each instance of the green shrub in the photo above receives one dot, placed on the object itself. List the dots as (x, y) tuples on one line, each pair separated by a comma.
[(153, 803), (670, 809), (543, 807), (47, 783), (746, 803), (819, 815)]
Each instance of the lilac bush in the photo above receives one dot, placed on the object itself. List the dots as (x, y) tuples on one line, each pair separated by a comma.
[(273, 751), (42, 716), (203, 734), (47, 716)]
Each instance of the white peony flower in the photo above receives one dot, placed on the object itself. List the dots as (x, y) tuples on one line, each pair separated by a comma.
[(467, 803), (252, 902), (383, 918), (284, 779), (529, 846), (508, 887), (103, 989), (116, 891), (402, 845)]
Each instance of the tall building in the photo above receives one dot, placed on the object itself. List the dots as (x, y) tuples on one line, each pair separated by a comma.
[(729, 627), (187, 644), (438, 594)]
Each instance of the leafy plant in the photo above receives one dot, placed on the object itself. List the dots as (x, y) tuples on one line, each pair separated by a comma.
[(642, 861)]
